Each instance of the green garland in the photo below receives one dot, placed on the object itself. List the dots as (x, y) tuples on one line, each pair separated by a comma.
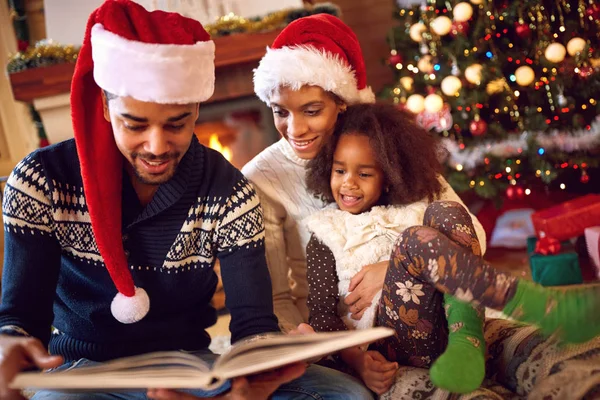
[(46, 53)]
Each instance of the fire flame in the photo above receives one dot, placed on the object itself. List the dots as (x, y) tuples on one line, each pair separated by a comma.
[(215, 144)]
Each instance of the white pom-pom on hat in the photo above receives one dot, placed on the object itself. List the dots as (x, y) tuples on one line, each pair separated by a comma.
[(128, 310)]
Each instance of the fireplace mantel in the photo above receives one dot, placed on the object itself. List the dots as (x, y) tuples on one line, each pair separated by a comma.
[(235, 57), (48, 88)]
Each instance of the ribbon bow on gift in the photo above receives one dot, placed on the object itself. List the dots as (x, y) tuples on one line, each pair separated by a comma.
[(364, 233), (547, 245)]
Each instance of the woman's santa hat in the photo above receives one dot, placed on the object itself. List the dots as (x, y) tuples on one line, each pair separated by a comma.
[(319, 50), (156, 57)]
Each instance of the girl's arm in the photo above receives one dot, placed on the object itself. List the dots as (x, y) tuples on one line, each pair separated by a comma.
[(323, 292)]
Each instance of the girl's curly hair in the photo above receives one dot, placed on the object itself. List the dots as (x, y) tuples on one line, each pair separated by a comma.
[(407, 154)]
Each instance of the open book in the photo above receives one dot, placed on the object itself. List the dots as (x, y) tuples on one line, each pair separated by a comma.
[(180, 370)]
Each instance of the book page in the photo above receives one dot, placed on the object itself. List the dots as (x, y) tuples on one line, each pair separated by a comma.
[(174, 369), (265, 354)]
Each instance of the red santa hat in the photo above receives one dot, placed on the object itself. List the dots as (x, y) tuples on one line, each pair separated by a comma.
[(157, 57), (319, 50)]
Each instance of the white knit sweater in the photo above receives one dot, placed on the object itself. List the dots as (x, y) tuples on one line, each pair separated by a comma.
[(278, 175)]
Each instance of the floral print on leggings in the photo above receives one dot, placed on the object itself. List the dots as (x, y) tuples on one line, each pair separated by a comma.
[(443, 255)]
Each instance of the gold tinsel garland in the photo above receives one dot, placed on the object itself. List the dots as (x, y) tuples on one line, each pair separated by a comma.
[(46, 52)]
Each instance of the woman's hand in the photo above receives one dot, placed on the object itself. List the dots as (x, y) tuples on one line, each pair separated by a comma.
[(257, 387), (363, 287)]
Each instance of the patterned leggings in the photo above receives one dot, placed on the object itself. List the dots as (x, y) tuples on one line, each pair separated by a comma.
[(443, 256)]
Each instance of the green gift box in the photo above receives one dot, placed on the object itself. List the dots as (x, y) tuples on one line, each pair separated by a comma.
[(556, 269)]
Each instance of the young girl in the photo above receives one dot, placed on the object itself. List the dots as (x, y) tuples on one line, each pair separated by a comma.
[(381, 171)]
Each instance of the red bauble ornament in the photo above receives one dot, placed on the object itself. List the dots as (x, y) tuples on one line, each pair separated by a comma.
[(459, 28), (586, 72), (22, 45), (585, 178), (523, 30), (515, 192), (395, 59), (478, 127), (593, 12)]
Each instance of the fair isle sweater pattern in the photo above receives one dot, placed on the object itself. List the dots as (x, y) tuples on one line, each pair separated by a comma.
[(208, 210), (31, 207)]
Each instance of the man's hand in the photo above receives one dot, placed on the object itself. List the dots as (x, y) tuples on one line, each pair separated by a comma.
[(377, 373), (18, 353), (363, 287), (257, 387)]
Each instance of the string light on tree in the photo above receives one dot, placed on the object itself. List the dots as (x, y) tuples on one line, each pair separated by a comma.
[(473, 73), (477, 2), (524, 75), (441, 25), (462, 12), (575, 46), (451, 85), (407, 83), (433, 103), (555, 52), (416, 31), (425, 64), (415, 103)]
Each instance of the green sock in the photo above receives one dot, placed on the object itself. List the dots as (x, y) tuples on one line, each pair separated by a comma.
[(572, 313), (461, 368)]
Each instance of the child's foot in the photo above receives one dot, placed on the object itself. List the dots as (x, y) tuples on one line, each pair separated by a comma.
[(461, 368), (572, 313)]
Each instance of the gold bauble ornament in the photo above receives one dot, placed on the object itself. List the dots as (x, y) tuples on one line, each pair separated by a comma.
[(415, 103), (462, 12), (477, 2), (433, 103), (425, 64), (575, 45), (473, 73), (416, 31), (441, 25), (407, 83), (524, 75), (495, 86), (595, 62), (555, 52), (451, 85)]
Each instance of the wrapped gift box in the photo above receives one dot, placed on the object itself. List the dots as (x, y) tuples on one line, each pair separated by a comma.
[(592, 241), (557, 269), (568, 219)]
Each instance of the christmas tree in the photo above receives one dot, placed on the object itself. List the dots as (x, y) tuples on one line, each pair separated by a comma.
[(513, 88)]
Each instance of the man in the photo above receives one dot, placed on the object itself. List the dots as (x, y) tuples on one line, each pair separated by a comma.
[(111, 237)]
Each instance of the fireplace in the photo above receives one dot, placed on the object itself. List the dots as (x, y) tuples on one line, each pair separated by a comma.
[(239, 129)]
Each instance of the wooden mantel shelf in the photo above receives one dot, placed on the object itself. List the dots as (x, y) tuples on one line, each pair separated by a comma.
[(235, 57)]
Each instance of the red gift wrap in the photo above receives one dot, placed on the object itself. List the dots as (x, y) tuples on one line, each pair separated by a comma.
[(568, 219)]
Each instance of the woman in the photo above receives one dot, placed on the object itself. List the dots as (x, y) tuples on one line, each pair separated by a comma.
[(311, 73), (308, 77)]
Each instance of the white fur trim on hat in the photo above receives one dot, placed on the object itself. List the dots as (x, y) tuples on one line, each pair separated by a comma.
[(157, 73), (297, 66), (129, 310)]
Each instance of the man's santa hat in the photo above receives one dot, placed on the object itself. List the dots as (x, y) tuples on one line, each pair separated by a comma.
[(319, 50), (156, 57)]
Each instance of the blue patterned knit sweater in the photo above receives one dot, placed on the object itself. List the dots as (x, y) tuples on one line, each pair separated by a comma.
[(55, 276)]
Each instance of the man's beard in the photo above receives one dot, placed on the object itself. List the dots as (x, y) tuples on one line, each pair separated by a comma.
[(148, 179)]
